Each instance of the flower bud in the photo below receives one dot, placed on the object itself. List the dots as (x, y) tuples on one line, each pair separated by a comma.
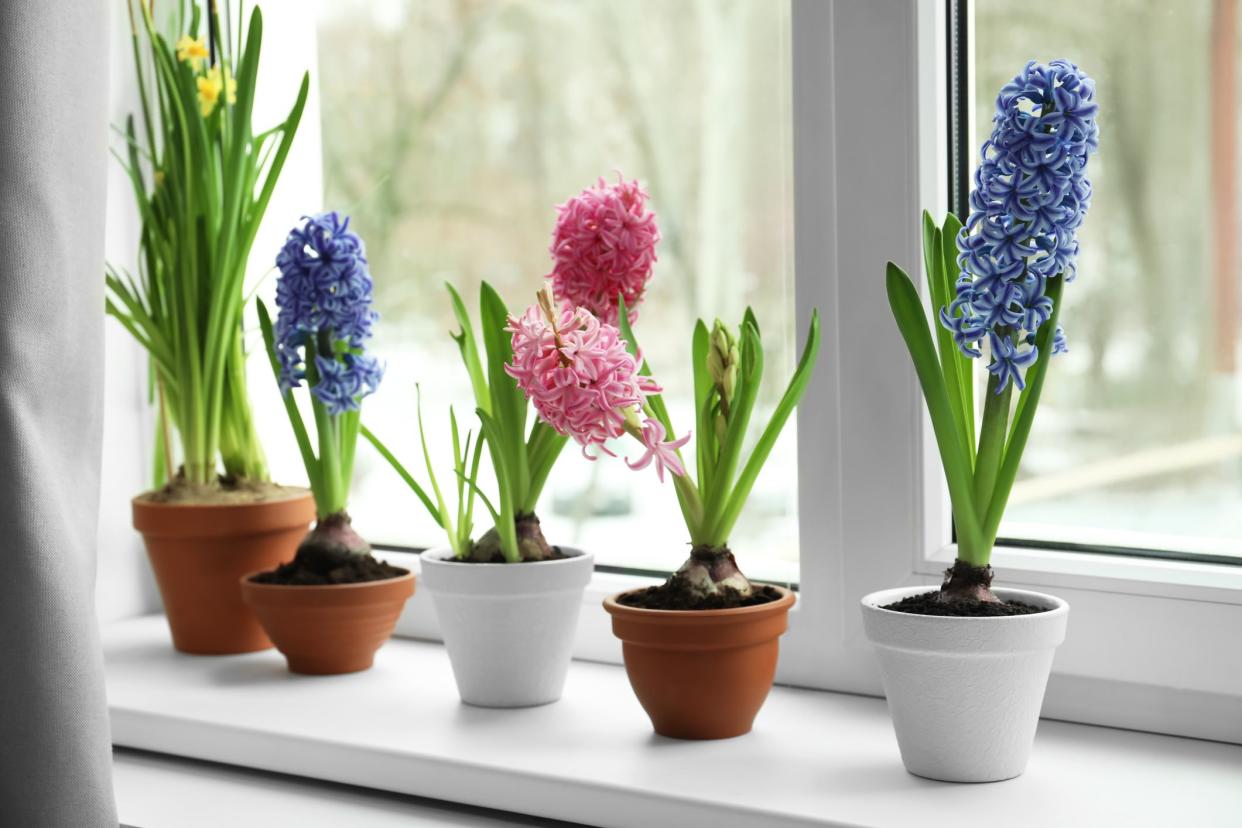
[(722, 360)]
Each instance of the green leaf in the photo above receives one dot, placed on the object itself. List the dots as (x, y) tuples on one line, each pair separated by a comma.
[(656, 401), (963, 366), (687, 494), (749, 318), (313, 472), (911, 321), (930, 261), (705, 446), (542, 451), (933, 260), (509, 404), (469, 348), (405, 475), (759, 455), (506, 527), (441, 509)]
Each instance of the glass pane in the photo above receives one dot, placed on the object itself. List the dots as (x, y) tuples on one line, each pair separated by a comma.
[(452, 129), (1138, 442)]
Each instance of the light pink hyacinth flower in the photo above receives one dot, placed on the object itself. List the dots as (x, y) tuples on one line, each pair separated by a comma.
[(583, 382), (604, 245)]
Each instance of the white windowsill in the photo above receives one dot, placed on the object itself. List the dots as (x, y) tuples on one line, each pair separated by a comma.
[(152, 791), (814, 758)]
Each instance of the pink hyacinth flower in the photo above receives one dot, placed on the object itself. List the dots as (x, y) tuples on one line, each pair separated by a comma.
[(583, 382), (663, 453), (604, 245), (577, 373)]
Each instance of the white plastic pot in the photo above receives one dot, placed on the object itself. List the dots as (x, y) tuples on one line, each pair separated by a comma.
[(509, 628), (965, 693)]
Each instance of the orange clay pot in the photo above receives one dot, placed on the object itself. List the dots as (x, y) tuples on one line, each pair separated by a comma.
[(701, 674), (198, 552), (330, 629)]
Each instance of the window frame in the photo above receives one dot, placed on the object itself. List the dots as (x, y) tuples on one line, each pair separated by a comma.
[(870, 151), (1125, 662), (873, 509)]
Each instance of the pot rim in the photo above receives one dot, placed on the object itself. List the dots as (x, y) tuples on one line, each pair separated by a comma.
[(246, 583), (614, 607), (433, 555), (1057, 607), (140, 501)]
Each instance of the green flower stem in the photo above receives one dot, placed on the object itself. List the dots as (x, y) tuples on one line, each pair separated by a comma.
[(992, 435), (1024, 417)]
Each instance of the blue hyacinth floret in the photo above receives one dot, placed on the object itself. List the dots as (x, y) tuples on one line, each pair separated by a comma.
[(1030, 196), (324, 294)]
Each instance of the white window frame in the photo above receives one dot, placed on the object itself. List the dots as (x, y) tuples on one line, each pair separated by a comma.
[(1151, 643)]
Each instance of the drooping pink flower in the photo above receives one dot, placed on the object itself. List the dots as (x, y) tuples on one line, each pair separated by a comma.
[(583, 382), (604, 245), (663, 452)]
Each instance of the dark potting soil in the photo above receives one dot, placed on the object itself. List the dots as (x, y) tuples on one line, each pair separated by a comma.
[(676, 594), (348, 569), (498, 558), (931, 603)]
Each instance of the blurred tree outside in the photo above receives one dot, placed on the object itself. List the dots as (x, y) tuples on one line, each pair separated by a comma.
[(451, 130)]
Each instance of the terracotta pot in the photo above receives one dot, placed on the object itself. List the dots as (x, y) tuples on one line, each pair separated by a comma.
[(701, 674), (198, 552), (331, 629)]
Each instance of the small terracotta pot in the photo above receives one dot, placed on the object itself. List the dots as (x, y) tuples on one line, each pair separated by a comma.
[(331, 629), (701, 674), (198, 551)]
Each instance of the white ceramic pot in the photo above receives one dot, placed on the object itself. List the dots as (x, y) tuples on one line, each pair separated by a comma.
[(965, 693), (509, 628)]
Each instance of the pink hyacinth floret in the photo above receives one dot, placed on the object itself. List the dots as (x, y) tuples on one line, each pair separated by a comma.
[(604, 245), (663, 453)]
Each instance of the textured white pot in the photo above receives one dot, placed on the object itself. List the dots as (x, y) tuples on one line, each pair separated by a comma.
[(965, 693), (508, 628)]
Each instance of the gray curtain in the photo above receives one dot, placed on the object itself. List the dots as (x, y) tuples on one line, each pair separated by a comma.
[(55, 763)]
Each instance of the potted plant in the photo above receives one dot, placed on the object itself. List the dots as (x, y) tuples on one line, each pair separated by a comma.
[(202, 179), (701, 649), (331, 607), (508, 603), (965, 666)]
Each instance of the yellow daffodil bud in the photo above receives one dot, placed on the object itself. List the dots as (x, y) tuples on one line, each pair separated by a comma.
[(209, 90), (211, 85)]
